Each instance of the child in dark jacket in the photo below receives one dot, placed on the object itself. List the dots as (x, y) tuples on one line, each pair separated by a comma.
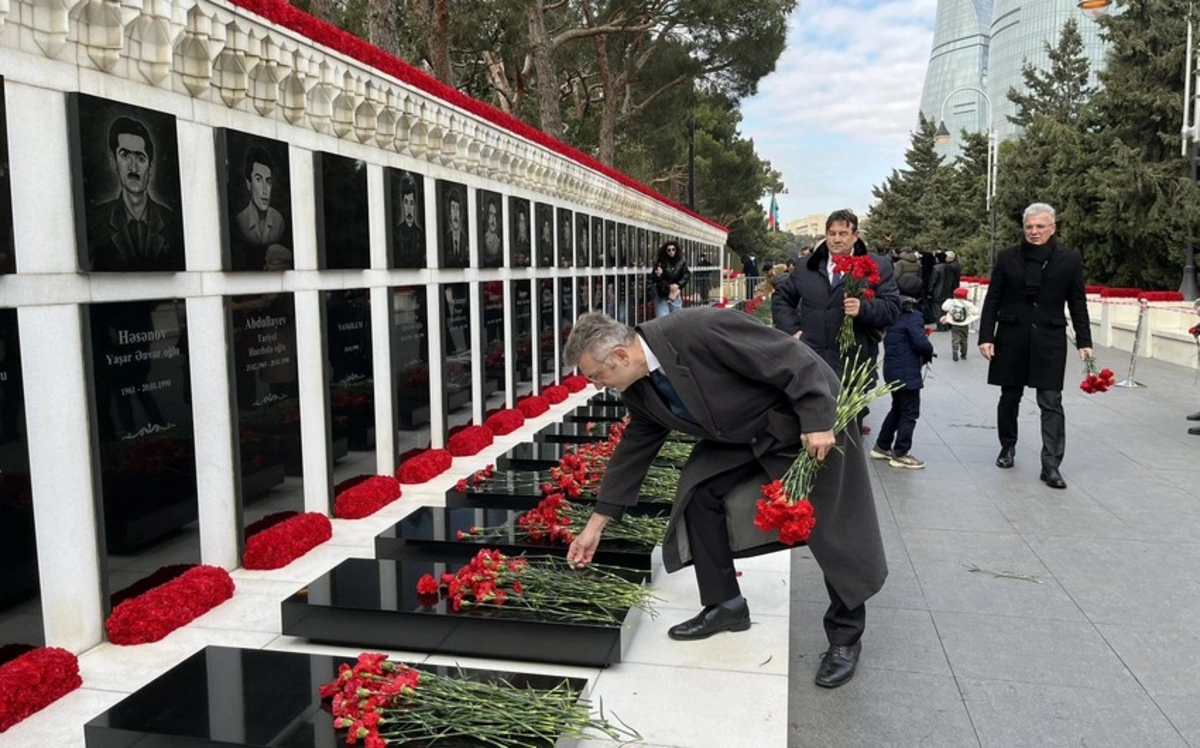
[(906, 350)]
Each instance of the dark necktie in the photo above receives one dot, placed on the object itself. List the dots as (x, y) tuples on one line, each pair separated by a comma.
[(669, 395)]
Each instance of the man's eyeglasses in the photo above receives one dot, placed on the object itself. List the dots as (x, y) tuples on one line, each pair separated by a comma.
[(594, 377)]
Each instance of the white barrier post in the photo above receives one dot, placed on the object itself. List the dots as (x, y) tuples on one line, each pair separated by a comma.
[(1129, 381)]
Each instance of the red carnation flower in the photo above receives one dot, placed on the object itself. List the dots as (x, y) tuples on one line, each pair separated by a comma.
[(35, 680), (365, 497), (425, 466), (576, 383), (505, 421), (555, 394), (281, 544), (157, 612), (427, 585), (470, 441), (533, 406)]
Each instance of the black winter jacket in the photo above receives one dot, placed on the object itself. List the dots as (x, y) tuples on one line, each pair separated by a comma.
[(805, 302)]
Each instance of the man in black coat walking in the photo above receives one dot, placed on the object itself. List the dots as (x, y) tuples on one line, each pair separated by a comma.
[(811, 303), (1023, 333)]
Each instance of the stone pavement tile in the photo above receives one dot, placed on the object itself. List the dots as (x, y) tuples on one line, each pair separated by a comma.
[(724, 709), (761, 650), (942, 559), (938, 467), (879, 709), (767, 592), (1026, 650), (1184, 715), (1126, 581), (894, 640), (1009, 714), (980, 433), (61, 723), (1165, 660), (965, 511), (1063, 513), (976, 454), (1186, 480)]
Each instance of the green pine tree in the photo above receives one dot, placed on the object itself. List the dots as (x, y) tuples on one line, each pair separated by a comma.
[(1061, 92)]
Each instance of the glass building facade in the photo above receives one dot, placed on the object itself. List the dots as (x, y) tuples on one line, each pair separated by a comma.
[(959, 59), (984, 44), (1020, 32)]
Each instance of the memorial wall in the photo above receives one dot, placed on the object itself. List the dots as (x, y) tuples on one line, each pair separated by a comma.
[(238, 267)]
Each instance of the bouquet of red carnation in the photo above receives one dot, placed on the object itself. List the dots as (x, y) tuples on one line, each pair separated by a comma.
[(365, 497), (470, 441), (860, 275), (279, 545), (33, 681), (785, 506), (1096, 379), (576, 383), (157, 612), (425, 466), (382, 703), (505, 421), (555, 394), (533, 406)]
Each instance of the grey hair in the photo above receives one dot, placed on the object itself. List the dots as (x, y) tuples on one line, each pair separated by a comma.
[(1039, 208), (596, 334)]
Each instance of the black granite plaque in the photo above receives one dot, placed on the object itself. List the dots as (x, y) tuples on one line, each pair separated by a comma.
[(18, 544), (544, 231), (596, 414), (623, 259), (520, 232), (268, 405), (432, 533), (597, 245), (405, 200), (582, 241), (127, 205), (343, 212), (351, 378), (491, 229), (368, 603), (546, 334), (540, 455), (221, 697), (566, 239), (456, 353), (522, 490), (494, 363), (143, 404), (253, 176), (573, 433), (8, 260), (566, 318), (410, 362), (610, 244), (522, 335), (454, 244)]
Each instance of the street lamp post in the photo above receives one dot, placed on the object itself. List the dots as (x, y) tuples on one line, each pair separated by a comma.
[(1190, 141), (942, 136)]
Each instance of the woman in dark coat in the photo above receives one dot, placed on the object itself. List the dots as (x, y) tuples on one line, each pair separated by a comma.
[(668, 278)]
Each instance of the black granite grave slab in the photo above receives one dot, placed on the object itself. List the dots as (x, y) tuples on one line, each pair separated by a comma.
[(607, 397), (222, 697), (572, 433), (431, 533), (521, 490), (545, 455), (596, 414), (374, 603)]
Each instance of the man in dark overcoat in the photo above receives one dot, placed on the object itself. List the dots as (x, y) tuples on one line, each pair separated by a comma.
[(1023, 333), (754, 397)]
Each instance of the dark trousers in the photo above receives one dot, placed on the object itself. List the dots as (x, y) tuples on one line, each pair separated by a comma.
[(900, 422), (712, 556), (1054, 422), (958, 339)]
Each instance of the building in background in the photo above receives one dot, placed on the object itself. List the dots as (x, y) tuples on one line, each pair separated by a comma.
[(810, 225), (985, 44), (959, 58)]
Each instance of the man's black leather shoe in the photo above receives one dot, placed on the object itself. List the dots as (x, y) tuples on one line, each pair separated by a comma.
[(1195, 416), (838, 664), (712, 620), (1051, 477), (1194, 431), (1005, 460)]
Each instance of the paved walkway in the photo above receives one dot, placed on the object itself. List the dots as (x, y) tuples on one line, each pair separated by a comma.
[(1097, 644)]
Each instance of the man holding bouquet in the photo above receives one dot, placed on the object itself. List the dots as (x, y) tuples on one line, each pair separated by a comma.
[(754, 398)]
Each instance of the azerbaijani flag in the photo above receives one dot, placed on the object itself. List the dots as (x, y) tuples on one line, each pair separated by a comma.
[(773, 214)]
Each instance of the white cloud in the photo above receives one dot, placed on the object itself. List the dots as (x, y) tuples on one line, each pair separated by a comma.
[(836, 114)]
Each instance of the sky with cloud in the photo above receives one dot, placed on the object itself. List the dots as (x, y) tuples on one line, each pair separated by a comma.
[(836, 115)]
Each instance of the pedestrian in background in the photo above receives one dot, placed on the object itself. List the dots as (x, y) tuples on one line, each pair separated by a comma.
[(959, 314), (906, 348)]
